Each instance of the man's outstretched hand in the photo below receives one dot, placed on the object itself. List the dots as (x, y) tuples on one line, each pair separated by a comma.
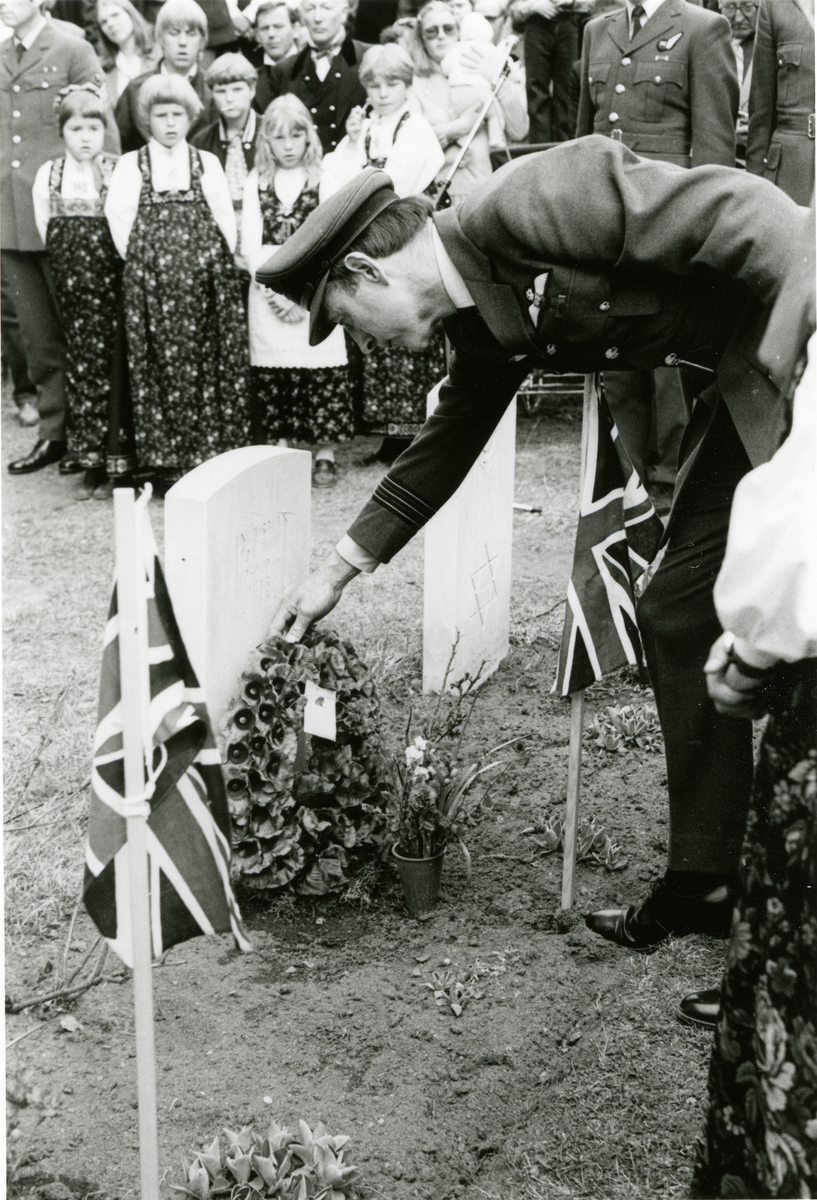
[(312, 599)]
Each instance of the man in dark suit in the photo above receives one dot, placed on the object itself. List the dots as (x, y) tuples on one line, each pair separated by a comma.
[(275, 28), (181, 34), (581, 258), (36, 63), (780, 144), (661, 78), (324, 75)]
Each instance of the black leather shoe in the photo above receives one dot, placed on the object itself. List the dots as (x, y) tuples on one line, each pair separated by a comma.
[(664, 912), (44, 453), (701, 1008), (70, 465)]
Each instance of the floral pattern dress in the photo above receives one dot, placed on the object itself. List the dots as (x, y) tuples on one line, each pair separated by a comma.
[(300, 402), (760, 1136), (87, 274), (187, 334)]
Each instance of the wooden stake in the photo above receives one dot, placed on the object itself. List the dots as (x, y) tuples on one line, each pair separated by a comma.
[(131, 602), (574, 784)]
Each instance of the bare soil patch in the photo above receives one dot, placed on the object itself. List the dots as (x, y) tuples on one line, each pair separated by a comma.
[(568, 1077)]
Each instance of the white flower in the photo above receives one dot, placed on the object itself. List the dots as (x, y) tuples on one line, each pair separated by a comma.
[(420, 743), (413, 755)]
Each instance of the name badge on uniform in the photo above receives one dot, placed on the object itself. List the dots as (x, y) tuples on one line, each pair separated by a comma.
[(536, 297), (668, 43)]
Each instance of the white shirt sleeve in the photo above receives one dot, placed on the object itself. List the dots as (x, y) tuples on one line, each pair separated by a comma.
[(415, 157), (353, 553), (122, 201), (217, 194), (41, 199), (766, 592), (340, 167)]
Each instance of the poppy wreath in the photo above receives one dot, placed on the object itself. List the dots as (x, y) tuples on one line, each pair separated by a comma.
[(306, 811)]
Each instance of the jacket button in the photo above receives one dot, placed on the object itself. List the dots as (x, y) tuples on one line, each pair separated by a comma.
[(313, 110), (15, 113), (331, 108), (613, 117), (45, 85), (15, 163), (333, 126), (612, 352), (551, 349), (604, 306), (337, 74), (16, 139), (620, 88), (15, 87), (307, 79), (625, 62), (671, 360), (589, 78), (658, 79)]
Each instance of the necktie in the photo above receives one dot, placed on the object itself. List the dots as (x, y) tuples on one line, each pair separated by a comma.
[(638, 18), (20, 48)]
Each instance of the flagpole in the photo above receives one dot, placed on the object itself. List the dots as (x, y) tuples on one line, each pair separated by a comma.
[(574, 787), (131, 600)]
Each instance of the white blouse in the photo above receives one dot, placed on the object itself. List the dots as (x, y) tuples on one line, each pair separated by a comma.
[(170, 171), (78, 183), (413, 157), (766, 592)]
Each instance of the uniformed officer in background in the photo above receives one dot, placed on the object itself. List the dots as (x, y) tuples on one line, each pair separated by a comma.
[(661, 78), (36, 63), (781, 103)]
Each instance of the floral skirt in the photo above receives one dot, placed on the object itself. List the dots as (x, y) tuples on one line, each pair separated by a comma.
[(396, 384), (304, 404), (760, 1136)]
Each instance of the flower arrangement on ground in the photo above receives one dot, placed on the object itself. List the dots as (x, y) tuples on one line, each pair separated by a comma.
[(306, 811)]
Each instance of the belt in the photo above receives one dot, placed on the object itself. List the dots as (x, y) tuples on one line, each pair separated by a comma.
[(800, 124), (655, 143)]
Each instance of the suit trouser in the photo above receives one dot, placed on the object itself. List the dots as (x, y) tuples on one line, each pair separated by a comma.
[(32, 291), (551, 48), (709, 757), (13, 356)]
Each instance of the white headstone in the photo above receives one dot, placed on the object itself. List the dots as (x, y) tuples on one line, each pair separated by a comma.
[(468, 550), (237, 534)]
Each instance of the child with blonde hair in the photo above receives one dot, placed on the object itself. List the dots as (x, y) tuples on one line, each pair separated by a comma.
[(69, 197), (303, 392), (172, 219)]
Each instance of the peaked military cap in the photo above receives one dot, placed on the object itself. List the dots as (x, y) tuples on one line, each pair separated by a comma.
[(300, 269)]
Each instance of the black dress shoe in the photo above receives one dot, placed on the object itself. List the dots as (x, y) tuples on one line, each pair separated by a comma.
[(70, 465), (701, 1008), (664, 912), (44, 453)]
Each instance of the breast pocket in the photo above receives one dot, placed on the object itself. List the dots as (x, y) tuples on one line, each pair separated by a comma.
[(38, 95), (597, 81), (788, 66), (660, 86)]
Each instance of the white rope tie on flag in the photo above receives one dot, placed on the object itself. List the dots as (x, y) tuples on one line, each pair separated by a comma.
[(136, 806)]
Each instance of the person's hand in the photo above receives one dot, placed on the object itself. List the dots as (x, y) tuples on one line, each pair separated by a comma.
[(354, 123), (312, 599), (241, 24), (294, 316), (280, 305), (462, 125), (733, 692), (543, 8)]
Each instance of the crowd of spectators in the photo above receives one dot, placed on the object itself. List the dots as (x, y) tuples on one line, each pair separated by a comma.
[(153, 155)]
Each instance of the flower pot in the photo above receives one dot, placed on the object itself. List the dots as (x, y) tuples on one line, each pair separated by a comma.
[(420, 878)]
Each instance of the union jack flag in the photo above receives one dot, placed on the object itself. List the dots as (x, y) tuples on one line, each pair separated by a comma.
[(188, 830), (617, 538)]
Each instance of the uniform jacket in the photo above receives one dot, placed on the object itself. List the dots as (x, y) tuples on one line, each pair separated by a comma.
[(670, 93), (330, 101), (209, 138), (780, 144), (127, 109), (29, 126), (585, 258)]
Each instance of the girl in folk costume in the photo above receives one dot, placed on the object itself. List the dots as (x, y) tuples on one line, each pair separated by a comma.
[(303, 392), (172, 219), (69, 196), (402, 142)]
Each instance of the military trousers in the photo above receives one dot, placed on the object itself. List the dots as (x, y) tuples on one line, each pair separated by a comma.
[(28, 278), (551, 48), (709, 756)]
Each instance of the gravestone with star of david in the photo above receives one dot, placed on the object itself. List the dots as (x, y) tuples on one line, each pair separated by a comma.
[(468, 550), (237, 533)]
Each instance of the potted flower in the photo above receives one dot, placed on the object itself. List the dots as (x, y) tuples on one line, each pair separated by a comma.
[(430, 804)]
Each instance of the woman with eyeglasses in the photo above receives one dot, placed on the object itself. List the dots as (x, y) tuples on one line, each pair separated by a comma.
[(452, 112), (780, 143)]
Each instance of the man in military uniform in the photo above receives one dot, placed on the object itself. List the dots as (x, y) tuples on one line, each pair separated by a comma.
[(324, 75), (36, 63), (661, 78), (781, 140), (630, 261)]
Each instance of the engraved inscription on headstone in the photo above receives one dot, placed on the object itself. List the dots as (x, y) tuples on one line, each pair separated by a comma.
[(468, 549), (237, 532)]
